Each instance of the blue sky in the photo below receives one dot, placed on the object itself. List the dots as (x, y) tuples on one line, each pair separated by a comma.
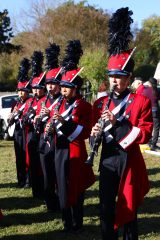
[(142, 9)]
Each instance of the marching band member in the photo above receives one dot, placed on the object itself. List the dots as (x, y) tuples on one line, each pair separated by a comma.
[(15, 117), (123, 181), (51, 99), (72, 123), (32, 138)]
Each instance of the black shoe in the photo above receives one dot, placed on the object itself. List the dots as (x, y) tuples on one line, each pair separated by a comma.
[(38, 195), (157, 147), (21, 184), (67, 230), (51, 209), (77, 228), (52, 205), (27, 185), (154, 148)]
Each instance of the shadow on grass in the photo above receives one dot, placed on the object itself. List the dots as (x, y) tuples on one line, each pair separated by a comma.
[(91, 210), (8, 144), (153, 171), (28, 219), (10, 203), (15, 219), (151, 205), (148, 225), (91, 193), (89, 232), (9, 185), (155, 184)]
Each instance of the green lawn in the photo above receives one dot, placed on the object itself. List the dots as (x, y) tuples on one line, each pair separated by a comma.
[(26, 218)]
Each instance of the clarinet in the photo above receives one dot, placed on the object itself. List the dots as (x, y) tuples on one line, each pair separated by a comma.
[(52, 122), (14, 116), (25, 117), (39, 120), (98, 137)]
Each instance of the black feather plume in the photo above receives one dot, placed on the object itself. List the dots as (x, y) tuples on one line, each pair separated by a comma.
[(73, 52), (23, 70), (119, 31), (36, 63), (52, 53)]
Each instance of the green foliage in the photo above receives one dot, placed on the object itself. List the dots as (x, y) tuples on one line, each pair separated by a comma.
[(145, 71), (152, 26), (9, 65), (71, 21), (68, 21), (6, 34), (148, 42), (7, 73), (81, 21), (7, 70), (94, 62)]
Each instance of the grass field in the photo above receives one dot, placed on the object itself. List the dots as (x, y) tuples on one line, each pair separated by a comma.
[(26, 218)]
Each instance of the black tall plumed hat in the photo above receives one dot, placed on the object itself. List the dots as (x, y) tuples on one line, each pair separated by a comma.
[(119, 39), (23, 79), (36, 63), (38, 77), (73, 53), (52, 54)]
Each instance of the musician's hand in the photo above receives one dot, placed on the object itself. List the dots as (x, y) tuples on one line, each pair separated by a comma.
[(58, 117), (48, 128), (36, 118), (107, 115), (15, 109), (9, 117), (96, 129), (44, 110)]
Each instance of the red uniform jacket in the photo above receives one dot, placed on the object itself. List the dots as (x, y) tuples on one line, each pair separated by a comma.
[(73, 174), (134, 182), (48, 102), (40, 104), (21, 106), (28, 127), (44, 101)]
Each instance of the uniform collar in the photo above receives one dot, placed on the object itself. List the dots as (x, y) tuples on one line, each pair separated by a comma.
[(122, 95)]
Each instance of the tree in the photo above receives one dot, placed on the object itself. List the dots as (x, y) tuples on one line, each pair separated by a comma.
[(8, 72), (70, 21), (65, 22), (145, 71), (94, 63), (148, 42), (6, 34)]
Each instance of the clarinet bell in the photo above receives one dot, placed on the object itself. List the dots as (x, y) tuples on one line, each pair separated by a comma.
[(90, 159)]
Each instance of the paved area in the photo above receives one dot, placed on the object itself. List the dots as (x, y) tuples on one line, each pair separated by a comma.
[(155, 153)]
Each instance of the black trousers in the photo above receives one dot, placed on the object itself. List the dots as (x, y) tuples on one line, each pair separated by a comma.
[(72, 217), (20, 153), (49, 176), (156, 128), (108, 189), (35, 165)]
